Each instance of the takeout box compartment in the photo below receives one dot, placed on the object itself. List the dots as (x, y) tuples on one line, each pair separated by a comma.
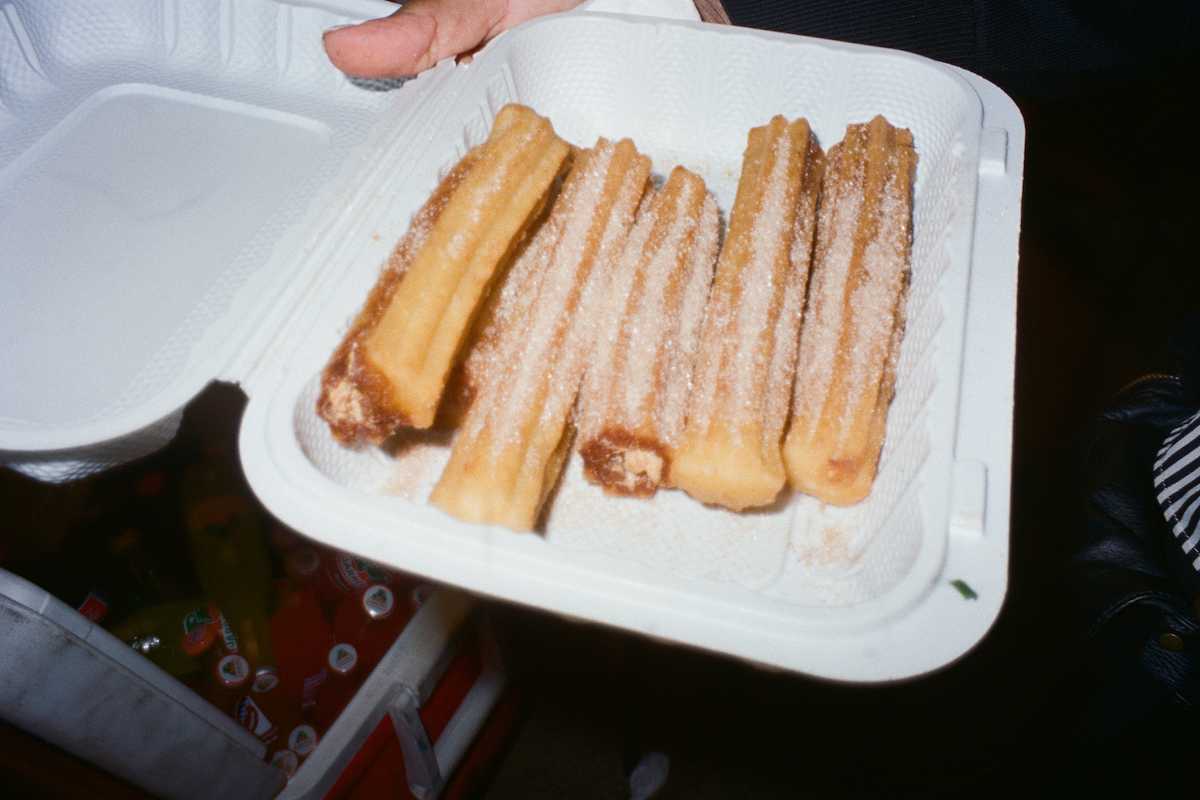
[(194, 193)]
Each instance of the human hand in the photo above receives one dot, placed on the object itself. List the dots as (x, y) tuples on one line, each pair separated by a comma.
[(423, 32)]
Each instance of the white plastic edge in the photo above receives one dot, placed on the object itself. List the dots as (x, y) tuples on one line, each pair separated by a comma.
[(668, 9)]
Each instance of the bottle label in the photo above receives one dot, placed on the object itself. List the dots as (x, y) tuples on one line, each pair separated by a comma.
[(343, 658), (197, 640), (302, 740), (353, 573), (252, 718), (228, 637), (93, 607), (200, 616)]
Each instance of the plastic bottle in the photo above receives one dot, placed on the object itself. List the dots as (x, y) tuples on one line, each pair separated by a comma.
[(370, 621), (208, 639), (301, 638), (206, 636), (344, 681), (155, 633), (228, 546)]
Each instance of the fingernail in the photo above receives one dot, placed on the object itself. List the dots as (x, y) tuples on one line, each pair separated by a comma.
[(337, 28)]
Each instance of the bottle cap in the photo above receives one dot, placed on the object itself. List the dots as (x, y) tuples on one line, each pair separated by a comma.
[(378, 602), (265, 679), (233, 671), (302, 740), (304, 562), (420, 594), (343, 658), (285, 760)]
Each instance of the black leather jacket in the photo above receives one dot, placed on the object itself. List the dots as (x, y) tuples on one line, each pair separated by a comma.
[(1136, 686)]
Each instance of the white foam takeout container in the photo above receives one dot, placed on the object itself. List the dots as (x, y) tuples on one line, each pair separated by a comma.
[(190, 192)]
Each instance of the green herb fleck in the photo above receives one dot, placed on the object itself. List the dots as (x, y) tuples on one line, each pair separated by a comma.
[(966, 591)]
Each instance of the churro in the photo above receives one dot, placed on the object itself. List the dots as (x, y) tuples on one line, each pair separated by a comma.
[(512, 443), (855, 317), (635, 390), (729, 454), (391, 367)]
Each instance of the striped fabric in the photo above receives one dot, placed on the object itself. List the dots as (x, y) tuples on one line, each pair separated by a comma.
[(1177, 487)]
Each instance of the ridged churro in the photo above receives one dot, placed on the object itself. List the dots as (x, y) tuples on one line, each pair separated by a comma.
[(855, 317), (729, 454), (391, 367), (514, 439), (635, 390)]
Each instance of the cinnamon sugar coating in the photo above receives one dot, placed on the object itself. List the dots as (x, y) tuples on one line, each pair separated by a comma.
[(517, 431), (635, 389), (391, 367), (729, 454), (855, 317)]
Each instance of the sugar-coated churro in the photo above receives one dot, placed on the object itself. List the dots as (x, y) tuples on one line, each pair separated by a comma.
[(514, 438), (391, 367), (729, 454), (635, 389), (855, 317)]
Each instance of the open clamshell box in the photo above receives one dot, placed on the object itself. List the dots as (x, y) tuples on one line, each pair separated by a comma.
[(190, 192)]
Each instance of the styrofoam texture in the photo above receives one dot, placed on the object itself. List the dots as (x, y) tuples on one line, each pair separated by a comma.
[(798, 586), (155, 159)]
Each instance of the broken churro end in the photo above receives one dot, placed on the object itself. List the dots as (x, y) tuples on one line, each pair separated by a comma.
[(624, 464), (634, 396)]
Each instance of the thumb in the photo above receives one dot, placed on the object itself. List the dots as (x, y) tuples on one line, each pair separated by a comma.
[(415, 38), (423, 32)]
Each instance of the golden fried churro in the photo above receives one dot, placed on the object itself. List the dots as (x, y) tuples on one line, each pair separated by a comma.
[(855, 317), (634, 394), (391, 367), (515, 436), (730, 451)]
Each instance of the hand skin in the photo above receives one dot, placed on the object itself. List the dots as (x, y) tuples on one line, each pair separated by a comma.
[(423, 32)]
